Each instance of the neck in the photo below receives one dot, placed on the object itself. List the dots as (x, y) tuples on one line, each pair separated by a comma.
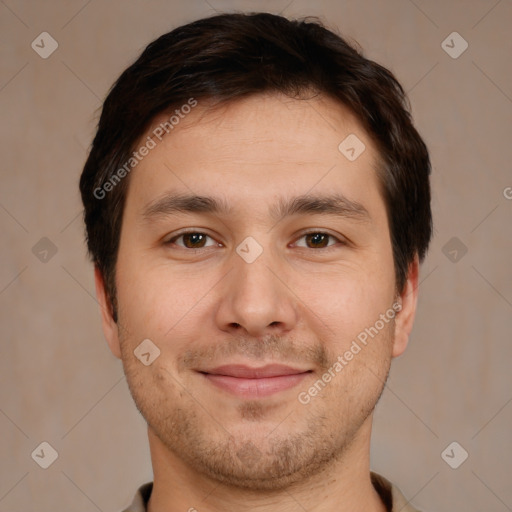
[(343, 486)]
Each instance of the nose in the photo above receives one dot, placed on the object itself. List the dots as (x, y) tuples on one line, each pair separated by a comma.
[(255, 299)]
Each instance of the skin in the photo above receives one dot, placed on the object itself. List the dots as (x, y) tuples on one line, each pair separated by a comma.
[(299, 303)]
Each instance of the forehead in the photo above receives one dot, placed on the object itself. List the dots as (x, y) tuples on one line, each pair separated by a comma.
[(255, 146), (316, 123)]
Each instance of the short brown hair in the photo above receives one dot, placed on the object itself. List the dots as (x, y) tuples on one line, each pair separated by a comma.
[(230, 56)]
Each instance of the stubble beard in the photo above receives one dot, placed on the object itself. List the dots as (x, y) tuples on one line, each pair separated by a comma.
[(257, 461)]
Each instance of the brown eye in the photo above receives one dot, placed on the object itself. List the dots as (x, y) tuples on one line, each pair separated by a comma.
[(317, 240), (192, 240)]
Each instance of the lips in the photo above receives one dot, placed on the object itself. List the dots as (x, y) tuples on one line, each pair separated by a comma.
[(249, 382), (246, 372)]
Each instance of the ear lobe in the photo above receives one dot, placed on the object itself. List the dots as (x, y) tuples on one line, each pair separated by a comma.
[(110, 329), (404, 319)]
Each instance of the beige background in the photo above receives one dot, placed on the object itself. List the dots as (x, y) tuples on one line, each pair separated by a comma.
[(58, 381)]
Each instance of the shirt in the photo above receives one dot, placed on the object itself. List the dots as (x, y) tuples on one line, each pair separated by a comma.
[(393, 499)]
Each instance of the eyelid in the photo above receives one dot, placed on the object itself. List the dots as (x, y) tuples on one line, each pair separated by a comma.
[(175, 236), (340, 239)]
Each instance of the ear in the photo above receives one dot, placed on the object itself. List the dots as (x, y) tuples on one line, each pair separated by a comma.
[(404, 319), (110, 328)]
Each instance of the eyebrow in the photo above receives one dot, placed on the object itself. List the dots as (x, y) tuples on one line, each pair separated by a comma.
[(332, 204)]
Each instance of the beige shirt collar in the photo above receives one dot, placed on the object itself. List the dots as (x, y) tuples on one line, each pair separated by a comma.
[(390, 494)]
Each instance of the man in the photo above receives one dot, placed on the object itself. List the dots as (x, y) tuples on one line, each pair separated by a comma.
[(257, 204)]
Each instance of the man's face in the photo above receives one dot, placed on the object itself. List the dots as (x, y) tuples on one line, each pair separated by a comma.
[(259, 284)]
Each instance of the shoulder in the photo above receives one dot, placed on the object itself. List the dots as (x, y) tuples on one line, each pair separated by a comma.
[(141, 498), (391, 495)]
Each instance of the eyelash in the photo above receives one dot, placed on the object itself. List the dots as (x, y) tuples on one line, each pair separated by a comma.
[(172, 240)]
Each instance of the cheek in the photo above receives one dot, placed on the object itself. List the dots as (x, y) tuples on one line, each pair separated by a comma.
[(346, 303), (156, 303)]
